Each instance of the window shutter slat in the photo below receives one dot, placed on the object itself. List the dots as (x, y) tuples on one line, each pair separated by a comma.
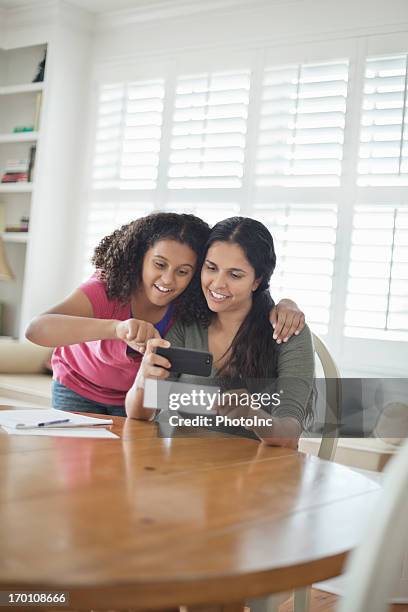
[(377, 292), (104, 218), (209, 131), (305, 237), (128, 135), (211, 212), (383, 157), (301, 128)]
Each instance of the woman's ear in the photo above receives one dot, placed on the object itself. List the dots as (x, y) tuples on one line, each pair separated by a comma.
[(256, 283)]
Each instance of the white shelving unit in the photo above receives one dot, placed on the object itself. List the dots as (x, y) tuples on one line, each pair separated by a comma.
[(15, 237), (44, 259), (16, 187), (19, 137), (18, 89), (20, 106)]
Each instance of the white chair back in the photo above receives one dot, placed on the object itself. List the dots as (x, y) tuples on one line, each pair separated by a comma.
[(374, 568), (332, 417)]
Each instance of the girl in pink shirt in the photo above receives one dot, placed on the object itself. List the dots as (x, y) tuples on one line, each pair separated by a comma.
[(147, 275)]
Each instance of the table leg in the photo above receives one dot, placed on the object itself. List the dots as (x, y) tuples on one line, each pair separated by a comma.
[(224, 607)]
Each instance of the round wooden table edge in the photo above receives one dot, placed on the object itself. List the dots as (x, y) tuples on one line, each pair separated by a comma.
[(207, 590)]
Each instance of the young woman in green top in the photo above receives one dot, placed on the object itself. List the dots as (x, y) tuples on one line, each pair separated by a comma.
[(233, 325)]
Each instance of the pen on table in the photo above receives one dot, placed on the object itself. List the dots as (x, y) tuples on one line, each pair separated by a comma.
[(53, 422)]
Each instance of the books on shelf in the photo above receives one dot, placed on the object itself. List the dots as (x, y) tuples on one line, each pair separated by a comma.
[(21, 129), (22, 227), (31, 163), (20, 170), (14, 177), (15, 171), (17, 229), (16, 165)]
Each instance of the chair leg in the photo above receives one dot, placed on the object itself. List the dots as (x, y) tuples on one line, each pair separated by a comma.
[(301, 600), (271, 603)]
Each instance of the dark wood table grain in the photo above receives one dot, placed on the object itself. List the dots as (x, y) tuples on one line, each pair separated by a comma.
[(150, 522)]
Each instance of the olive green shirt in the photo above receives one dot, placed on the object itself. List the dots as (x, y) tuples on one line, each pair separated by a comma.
[(293, 378)]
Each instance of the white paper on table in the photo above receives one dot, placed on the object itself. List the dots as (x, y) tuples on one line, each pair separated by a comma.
[(27, 419), (74, 432)]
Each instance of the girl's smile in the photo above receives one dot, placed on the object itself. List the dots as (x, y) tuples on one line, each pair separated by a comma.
[(162, 289)]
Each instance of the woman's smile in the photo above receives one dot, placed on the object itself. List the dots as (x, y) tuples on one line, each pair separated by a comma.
[(216, 296)]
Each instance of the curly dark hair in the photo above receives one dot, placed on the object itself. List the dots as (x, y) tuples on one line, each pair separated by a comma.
[(119, 257)]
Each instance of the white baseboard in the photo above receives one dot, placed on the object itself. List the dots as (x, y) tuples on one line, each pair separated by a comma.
[(364, 453), (337, 586)]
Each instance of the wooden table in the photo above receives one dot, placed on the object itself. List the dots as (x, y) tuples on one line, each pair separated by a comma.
[(149, 522)]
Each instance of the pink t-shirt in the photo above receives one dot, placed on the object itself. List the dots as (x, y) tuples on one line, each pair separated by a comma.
[(101, 370)]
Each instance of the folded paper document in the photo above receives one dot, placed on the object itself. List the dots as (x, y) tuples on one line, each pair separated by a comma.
[(45, 419), (62, 432)]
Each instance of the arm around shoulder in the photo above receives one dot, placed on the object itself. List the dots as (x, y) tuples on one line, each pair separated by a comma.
[(296, 358), (296, 372)]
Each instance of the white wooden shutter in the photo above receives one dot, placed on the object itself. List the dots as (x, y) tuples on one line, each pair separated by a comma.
[(377, 295), (211, 212), (301, 128), (209, 130), (305, 238), (128, 135), (126, 157), (384, 122), (103, 218), (291, 150)]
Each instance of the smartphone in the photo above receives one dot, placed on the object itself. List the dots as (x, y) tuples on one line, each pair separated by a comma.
[(187, 361)]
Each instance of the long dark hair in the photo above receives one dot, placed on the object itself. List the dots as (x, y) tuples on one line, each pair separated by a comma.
[(253, 345), (119, 257)]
